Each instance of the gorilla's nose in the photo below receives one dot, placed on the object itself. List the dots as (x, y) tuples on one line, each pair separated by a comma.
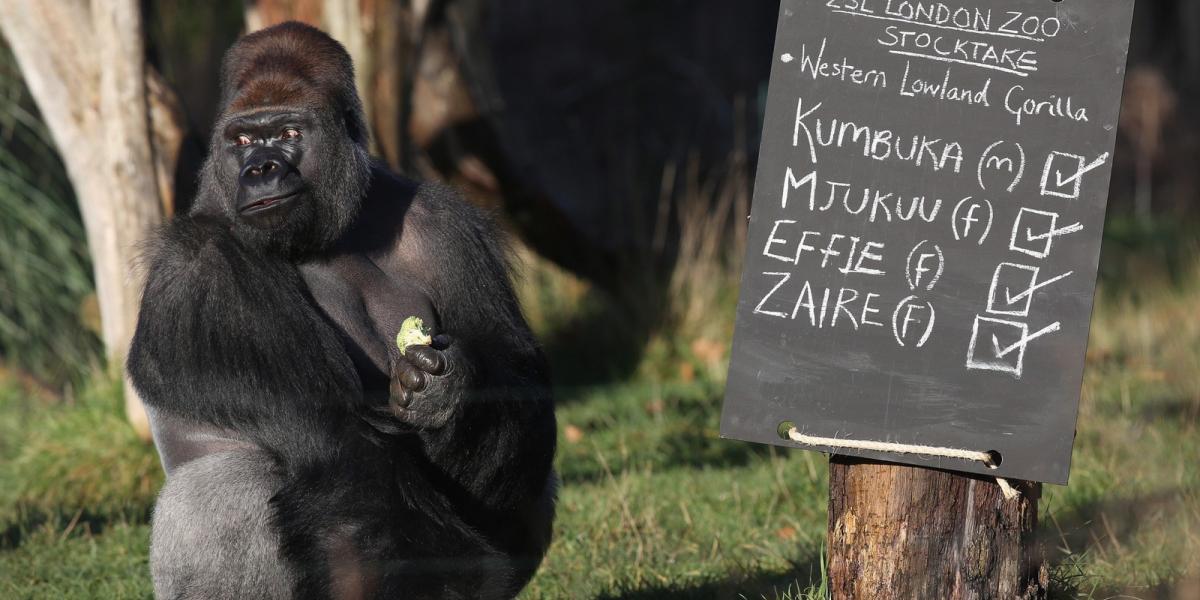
[(267, 184), (263, 170)]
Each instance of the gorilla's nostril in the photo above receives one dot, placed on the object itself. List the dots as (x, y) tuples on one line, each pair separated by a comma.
[(263, 169)]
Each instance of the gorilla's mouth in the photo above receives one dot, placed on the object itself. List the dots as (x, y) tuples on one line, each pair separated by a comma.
[(266, 204)]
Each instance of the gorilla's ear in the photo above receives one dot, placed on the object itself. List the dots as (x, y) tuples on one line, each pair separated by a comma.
[(356, 126)]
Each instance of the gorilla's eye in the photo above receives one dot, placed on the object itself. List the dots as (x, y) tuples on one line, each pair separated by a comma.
[(290, 133), (242, 140)]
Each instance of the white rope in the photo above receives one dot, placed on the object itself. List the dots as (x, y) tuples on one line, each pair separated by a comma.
[(1008, 490)]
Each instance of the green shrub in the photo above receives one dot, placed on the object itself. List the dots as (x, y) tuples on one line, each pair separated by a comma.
[(45, 272)]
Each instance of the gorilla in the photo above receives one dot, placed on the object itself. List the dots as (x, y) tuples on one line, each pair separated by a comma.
[(307, 455)]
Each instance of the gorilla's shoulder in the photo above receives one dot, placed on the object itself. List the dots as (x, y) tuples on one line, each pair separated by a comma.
[(196, 249), (185, 240), (446, 209), (434, 207), (191, 235)]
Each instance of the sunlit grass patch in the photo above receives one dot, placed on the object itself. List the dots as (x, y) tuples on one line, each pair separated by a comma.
[(1129, 522), (54, 563), (72, 461)]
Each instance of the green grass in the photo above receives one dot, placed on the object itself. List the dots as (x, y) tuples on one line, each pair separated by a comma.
[(653, 504), (79, 563), (76, 488)]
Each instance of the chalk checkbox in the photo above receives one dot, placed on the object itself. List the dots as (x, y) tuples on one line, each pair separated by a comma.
[(1062, 176), (997, 345), (1012, 290), (1034, 232), (1064, 173)]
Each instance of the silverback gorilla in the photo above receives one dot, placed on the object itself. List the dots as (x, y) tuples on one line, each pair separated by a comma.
[(306, 456)]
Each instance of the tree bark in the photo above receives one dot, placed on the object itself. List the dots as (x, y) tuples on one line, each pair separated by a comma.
[(264, 13), (379, 37), (85, 66), (408, 71), (901, 532)]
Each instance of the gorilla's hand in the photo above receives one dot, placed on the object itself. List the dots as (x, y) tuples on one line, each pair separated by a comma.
[(427, 383)]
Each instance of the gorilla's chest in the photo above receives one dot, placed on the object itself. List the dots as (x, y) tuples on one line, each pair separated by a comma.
[(367, 306)]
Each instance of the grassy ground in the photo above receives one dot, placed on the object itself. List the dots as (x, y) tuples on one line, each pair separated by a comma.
[(653, 504)]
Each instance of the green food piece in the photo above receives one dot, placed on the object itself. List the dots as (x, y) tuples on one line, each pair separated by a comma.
[(413, 333)]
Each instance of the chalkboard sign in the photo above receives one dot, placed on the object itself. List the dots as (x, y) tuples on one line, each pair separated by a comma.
[(926, 227)]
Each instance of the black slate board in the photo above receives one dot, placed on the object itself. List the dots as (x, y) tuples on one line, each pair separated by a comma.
[(1009, 294)]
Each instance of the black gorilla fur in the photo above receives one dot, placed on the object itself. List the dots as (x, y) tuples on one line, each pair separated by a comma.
[(267, 330)]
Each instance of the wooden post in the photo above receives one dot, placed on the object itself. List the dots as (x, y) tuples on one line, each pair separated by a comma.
[(900, 532)]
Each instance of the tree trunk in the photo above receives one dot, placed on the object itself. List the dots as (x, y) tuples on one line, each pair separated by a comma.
[(264, 13), (379, 36), (900, 532), (85, 66), (385, 92), (408, 71)]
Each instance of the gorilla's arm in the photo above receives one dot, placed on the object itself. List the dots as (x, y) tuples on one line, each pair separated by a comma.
[(227, 337), (498, 440)]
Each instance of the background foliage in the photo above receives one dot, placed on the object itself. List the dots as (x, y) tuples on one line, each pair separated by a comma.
[(45, 275), (654, 504)]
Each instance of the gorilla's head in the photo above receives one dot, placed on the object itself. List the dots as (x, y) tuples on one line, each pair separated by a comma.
[(288, 162)]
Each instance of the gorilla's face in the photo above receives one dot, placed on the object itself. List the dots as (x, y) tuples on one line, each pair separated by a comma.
[(269, 152), (288, 163), (290, 179)]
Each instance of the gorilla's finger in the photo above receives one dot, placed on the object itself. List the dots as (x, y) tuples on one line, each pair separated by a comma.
[(414, 381), (427, 359), (400, 397), (408, 375), (441, 341), (395, 391)]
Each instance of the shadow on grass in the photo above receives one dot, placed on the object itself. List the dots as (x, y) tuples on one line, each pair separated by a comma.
[(14, 533), (697, 450), (805, 574), (604, 342), (1120, 519), (1164, 245), (681, 452), (678, 430), (1175, 410), (1095, 524)]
